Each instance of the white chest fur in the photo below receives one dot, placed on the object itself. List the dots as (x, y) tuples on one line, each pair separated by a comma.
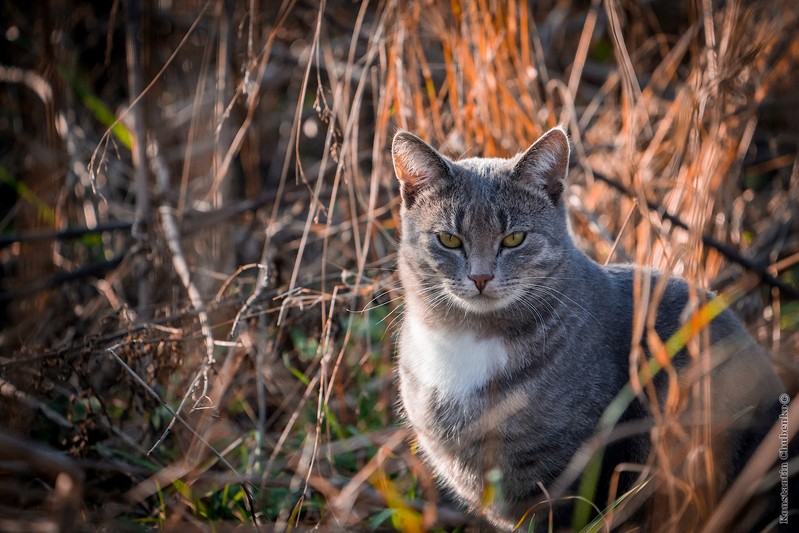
[(454, 363)]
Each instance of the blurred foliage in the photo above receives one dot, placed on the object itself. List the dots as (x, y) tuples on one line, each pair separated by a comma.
[(265, 130)]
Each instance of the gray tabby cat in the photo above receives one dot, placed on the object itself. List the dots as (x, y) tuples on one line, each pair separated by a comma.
[(514, 341)]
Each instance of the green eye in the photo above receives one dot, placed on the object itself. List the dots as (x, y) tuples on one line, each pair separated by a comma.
[(449, 240), (514, 239)]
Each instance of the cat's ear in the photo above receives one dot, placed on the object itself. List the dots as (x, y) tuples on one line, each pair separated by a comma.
[(417, 165), (545, 163)]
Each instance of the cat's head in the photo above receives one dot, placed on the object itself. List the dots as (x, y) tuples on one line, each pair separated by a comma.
[(479, 233)]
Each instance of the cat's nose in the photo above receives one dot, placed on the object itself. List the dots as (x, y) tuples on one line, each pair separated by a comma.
[(480, 280)]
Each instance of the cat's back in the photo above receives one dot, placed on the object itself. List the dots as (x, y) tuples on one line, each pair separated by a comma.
[(675, 305), (671, 303), (701, 336)]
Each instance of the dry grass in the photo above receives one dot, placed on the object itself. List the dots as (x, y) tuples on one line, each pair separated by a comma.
[(216, 349)]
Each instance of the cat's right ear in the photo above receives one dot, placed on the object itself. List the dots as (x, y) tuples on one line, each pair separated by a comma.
[(416, 164)]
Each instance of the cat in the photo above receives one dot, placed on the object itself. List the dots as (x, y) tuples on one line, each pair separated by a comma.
[(514, 341)]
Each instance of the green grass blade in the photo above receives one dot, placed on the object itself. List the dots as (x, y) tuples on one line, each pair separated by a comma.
[(613, 413), (45, 211), (97, 107)]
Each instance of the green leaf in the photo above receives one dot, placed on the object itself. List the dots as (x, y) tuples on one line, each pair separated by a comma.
[(131, 458), (614, 411), (597, 524), (45, 212), (299, 375), (380, 518), (185, 491), (789, 316), (98, 108)]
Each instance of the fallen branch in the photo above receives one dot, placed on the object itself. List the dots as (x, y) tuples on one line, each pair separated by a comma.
[(194, 222), (8, 390), (97, 270), (63, 235), (182, 269), (732, 255)]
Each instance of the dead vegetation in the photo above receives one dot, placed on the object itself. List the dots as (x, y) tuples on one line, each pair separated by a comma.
[(199, 229)]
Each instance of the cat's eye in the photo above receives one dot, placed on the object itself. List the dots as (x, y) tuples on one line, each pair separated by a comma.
[(449, 240), (513, 240)]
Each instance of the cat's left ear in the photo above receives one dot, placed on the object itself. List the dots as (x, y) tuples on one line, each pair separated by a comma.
[(545, 163), (417, 165)]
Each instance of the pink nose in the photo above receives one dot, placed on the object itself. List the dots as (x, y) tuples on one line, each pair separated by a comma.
[(480, 280)]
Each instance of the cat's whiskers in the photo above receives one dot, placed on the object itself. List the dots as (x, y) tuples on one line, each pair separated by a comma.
[(400, 314), (528, 305), (392, 310), (427, 289), (395, 287), (537, 299), (367, 308), (433, 303), (534, 291), (421, 289), (556, 293), (450, 302), (543, 297), (432, 296)]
